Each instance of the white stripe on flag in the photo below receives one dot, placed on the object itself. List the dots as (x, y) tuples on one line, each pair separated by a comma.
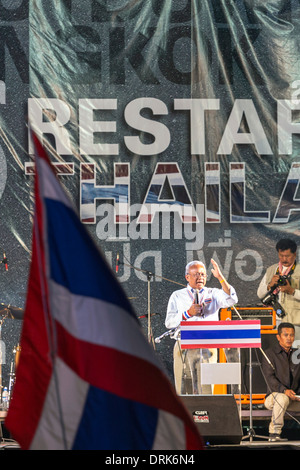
[(72, 391), (222, 341), (50, 189), (220, 327), (99, 322), (170, 433)]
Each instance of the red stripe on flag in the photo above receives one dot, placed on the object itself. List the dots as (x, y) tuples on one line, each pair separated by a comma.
[(34, 369), (136, 379)]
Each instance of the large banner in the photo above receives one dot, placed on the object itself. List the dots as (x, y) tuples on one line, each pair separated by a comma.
[(174, 126)]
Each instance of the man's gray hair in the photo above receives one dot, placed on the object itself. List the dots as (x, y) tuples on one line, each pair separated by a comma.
[(193, 263)]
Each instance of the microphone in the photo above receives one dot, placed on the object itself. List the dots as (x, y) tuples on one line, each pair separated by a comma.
[(167, 333), (196, 296), (117, 263), (5, 262)]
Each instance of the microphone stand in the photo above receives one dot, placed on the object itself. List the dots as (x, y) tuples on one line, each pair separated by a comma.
[(167, 333), (150, 276), (251, 433)]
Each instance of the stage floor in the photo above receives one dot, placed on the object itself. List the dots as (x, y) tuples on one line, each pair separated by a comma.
[(258, 445), (249, 441), (244, 445)]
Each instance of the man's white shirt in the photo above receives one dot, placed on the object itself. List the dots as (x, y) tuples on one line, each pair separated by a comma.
[(211, 299)]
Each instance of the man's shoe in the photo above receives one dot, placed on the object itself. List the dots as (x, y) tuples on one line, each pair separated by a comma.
[(276, 438)]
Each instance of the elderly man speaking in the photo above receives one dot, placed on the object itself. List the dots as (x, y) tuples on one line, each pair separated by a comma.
[(196, 302)]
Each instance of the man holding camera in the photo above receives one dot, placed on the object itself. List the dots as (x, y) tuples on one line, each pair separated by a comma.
[(282, 280)]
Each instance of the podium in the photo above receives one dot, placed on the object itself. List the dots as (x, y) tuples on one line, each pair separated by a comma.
[(198, 337), (203, 336)]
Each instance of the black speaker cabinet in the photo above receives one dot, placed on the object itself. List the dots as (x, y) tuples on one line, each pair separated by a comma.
[(216, 417), (259, 385)]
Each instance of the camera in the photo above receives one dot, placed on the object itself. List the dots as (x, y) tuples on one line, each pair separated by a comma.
[(282, 281), (271, 299)]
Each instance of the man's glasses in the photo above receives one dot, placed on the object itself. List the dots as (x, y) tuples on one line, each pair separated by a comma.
[(197, 275)]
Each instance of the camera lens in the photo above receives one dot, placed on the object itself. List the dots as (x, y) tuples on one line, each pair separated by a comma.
[(282, 281), (268, 299)]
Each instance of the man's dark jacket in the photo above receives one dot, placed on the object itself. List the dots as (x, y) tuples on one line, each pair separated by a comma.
[(287, 369)]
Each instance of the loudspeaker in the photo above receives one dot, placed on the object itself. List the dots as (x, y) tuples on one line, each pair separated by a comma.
[(259, 385), (216, 417)]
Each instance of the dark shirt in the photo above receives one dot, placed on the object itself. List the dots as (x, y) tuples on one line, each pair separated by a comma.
[(287, 369)]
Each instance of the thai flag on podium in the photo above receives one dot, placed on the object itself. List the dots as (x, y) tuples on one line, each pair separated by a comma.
[(221, 334), (87, 378)]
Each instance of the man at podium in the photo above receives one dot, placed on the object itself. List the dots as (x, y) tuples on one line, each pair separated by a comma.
[(196, 302)]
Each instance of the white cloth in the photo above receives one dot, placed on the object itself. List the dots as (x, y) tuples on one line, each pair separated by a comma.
[(213, 299)]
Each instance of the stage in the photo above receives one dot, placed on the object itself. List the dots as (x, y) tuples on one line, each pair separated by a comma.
[(254, 441), (258, 445), (247, 441), (244, 445)]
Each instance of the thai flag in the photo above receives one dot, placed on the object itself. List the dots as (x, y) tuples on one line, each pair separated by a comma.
[(87, 378), (221, 334)]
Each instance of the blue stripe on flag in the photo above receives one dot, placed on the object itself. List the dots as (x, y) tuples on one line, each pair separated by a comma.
[(75, 262), (220, 334), (113, 423)]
